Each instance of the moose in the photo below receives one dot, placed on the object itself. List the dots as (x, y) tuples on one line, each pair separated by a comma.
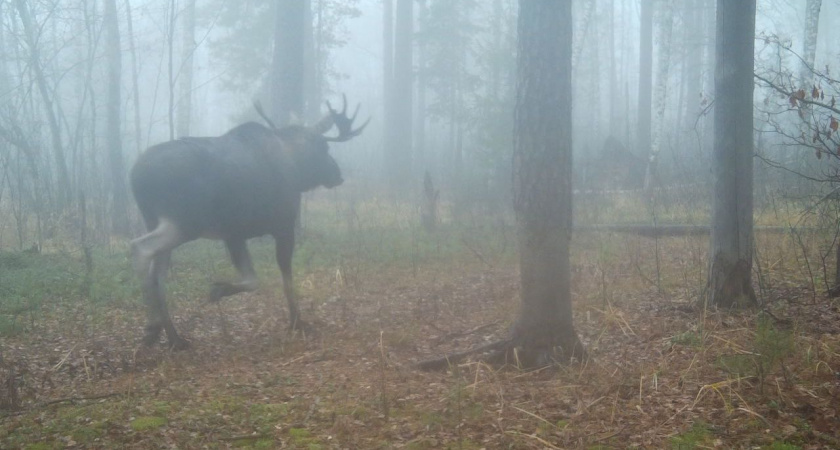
[(243, 184)]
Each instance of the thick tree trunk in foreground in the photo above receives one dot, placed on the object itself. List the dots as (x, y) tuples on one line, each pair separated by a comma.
[(732, 222), (113, 135), (542, 182), (288, 63)]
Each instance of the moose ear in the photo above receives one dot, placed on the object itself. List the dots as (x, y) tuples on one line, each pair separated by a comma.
[(323, 125)]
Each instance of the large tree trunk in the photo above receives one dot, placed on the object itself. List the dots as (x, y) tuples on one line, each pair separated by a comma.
[(186, 72), (643, 135), (732, 222), (113, 136), (542, 186), (30, 36), (288, 63)]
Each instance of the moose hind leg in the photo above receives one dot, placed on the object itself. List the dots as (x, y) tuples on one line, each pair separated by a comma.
[(238, 250), (154, 291)]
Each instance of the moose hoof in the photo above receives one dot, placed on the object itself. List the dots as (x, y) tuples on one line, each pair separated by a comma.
[(178, 344), (218, 291), (299, 326)]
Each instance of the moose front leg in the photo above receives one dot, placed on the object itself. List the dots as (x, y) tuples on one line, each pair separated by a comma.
[(284, 247), (238, 250)]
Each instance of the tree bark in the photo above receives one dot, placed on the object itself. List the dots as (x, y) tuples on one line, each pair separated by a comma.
[(186, 73), (288, 62), (113, 136), (420, 118), (732, 222), (643, 134), (661, 94), (809, 43), (542, 189)]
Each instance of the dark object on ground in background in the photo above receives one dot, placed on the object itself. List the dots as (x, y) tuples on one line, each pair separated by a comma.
[(243, 184), (428, 211)]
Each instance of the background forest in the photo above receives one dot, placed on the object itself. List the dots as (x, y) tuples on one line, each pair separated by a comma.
[(417, 254)]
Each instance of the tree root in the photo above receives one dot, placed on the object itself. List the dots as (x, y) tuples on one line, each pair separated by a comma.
[(499, 352), (497, 347)]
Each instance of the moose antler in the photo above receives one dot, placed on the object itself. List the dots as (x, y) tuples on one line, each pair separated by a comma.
[(344, 123)]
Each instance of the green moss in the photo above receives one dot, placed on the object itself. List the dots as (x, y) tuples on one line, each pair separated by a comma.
[(697, 437), (147, 423)]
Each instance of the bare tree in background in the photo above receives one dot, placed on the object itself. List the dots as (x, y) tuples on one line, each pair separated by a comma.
[(643, 133), (185, 73), (542, 172), (135, 83), (288, 63), (113, 136), (731, 252), (809, 43), (31, 37), (661, 92)]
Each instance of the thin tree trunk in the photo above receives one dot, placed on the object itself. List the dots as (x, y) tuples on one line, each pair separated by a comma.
[(135, 83), (420, 118), (643, 135), (113, 137), (731, 252), (661, 94), (542, 189), (403, 84), (31, 38), (185, 74)]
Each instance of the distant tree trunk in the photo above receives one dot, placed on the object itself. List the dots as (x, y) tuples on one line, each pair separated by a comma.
[(32, 38), (186, 73), (661, 94), (542, 189), (732, 221), (614, 88), (312, 77), (420, 111), (709, 81), (583, 29), (643, 136), (135, 84), (694, 61), (288, 61), (113, 136), (809, 43), (400, 147), (388, 88)]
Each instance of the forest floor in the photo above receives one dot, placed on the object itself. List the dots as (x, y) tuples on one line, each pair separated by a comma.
[(662, 374)]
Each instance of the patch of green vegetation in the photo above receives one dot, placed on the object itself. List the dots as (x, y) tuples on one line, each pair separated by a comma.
[(302, 437), (84, 435), (39, 446), (147, 423), (688, 338), (265, 415), (782, 446), (696, 437), (773, 345), (10, 327), (737, 365)]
